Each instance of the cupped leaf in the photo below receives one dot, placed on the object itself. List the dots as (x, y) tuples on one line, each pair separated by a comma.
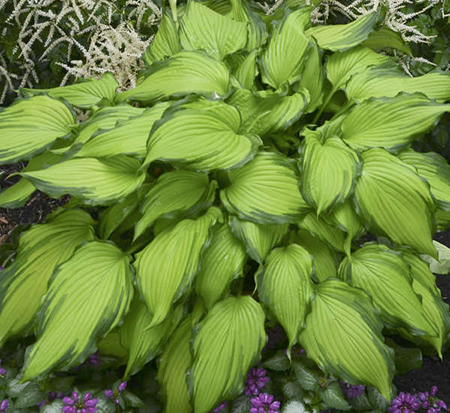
[(85, 94), (395, 201), (41, 250), (247, 70), (384, 37), (233, 326), (343, 336), (175, 192), (265, 191), (163, 279), (87, 297), (182, 74), (97, 182), (30, 126), (285, 287)]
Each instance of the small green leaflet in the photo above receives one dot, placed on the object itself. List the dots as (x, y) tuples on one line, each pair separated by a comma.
[(85, 94), (202, 140), (343, 336), (334, 397), (284, 286), (182, 74), (233, 326), (384, 37), (390, 123), (163, 279), (395, 201), (97, 182), (30, 126), (440, 265), (344, 36), (259, 239), (41, 250), (265, 191), (87, 297), (175, 193), (204, 29), (222, 262)]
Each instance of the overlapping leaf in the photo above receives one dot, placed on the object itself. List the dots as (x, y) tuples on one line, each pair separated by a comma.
[(385, 37)]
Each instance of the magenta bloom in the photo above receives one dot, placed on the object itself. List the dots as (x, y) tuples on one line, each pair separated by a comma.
[(256, 379), (220, 407), (404, 403), (430, 402), (264, 403), (116, 393), (352, 391), (75, 405), (4, 405), (2, 370)]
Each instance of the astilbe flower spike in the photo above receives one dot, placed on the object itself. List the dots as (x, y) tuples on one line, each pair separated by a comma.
[(352, 391), (111, 393), (256, 379), (75, 405), (264, 403), (430, 402), (404, 403)]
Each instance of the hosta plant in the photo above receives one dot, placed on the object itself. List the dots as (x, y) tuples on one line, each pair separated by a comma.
[(262, 170)]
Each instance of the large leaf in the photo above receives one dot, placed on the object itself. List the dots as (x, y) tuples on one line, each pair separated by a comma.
[(344, 36), (343, 336), (97, 182), (202, 140), (384, 37), (234, 326), (395, 201), (385, 276), (85, 94), (41, 250), (182, 74), (163, 279), (204, 29), (87, 297), (247, 70), (30, 126), (175, 192), (265, 191), (390, 123), (285, 287)]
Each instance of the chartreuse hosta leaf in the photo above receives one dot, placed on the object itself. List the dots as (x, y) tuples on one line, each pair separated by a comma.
[(284, 286), (395, 201), (87, 297), (144, 343), (283, 59), (222, 262), (246, 72), (328, 171), (204, 29), (390, 123), (175, 192), (233, 326), (161, 278), (96, 181), (30, 126), (344, 36), (343, 336), (385, 37), (174, 363), (385, 276), (182, 74), (259, 239), (41, 250), (85, 94), (265, 191)]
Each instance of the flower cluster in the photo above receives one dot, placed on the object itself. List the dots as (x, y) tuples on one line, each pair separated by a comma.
[(352, 391), (75, 405), (256, 379), (115, 393), (264, 403), (430, 402), (407, 403), (404, 403)]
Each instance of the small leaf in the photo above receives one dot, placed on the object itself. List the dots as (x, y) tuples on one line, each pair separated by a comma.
[(294, 406), (278, 362), (30, 396), (334, 397), (441, 265), (307, 378)]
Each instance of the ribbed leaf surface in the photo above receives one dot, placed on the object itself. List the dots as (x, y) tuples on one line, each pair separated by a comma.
[(385, 37)]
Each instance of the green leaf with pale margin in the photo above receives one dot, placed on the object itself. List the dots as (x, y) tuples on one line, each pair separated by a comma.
[(259, 239), (441, 265), (385, 276), (247, 70), (30, 126), (384, 37), (222, 262), (308, 379), (41, 250), (334, 397), (394, 201), (278, 362), (84, 94), (97, 182), (233, 326), (265, 191), (283, 59), (202, 140), (343, 336), (87, 297), (182, 74), (163, 279), (175, 193), (285, 287), (204, 29), (344, 36)]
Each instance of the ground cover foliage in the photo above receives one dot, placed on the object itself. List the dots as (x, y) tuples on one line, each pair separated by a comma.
[(237, 185)]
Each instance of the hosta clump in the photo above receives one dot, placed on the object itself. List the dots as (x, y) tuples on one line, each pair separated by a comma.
[(232, 186)]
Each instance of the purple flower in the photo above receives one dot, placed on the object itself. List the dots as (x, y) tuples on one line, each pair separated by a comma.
[(75, 405), (404, 403), (352, 391), (2, 370), (256, 379), (4, 405), (264, 403), (220, 407), (430, 402), (92, 361), (116, 393), (51, 396)]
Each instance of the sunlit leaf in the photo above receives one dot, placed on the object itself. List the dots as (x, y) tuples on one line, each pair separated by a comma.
[(384, 37)]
